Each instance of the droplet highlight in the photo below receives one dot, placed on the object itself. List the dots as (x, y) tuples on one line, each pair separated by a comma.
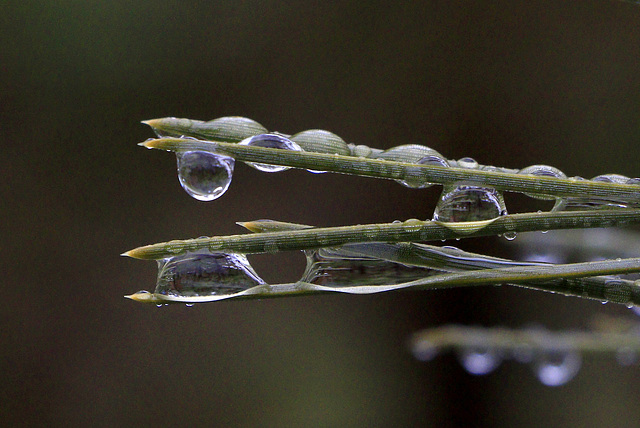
[(271, 141), (203, 175)]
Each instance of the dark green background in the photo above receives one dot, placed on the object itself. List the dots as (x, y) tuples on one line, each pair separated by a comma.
[(510, 83)]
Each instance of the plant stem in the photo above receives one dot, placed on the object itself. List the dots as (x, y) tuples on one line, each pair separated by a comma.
[(408, 231), (378, 168)]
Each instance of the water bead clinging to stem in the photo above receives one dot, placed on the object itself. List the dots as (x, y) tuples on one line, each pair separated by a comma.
[(272, 141), (320, 141), (464, 203), (542, 171), (416, 154), (229, 128), (205, 274), (203, 175)]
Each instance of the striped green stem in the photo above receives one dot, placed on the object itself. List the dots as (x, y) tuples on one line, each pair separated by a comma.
[(378, 168), (408, 231)]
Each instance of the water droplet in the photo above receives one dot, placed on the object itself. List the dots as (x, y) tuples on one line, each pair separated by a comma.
[(617, 291), (413, 179), (510, 236), (423, 350), (189, 305), (555, 368), (479, 361), (467, 162), (414, 154), (361, 151), (203, 175), (204, 274), (271, 141), (635, 181), (320, 141), (542, 171), (611, 178), (469, 203)]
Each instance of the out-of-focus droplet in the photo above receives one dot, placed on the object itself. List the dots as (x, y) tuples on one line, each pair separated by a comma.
[(626, 356), (479, 361), (203, 175), (542, 171), (270, 141), (555, 368), (469, 203), (423, 350), (205, 274)]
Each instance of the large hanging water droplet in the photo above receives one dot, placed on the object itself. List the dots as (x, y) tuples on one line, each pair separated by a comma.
[(479, 361), (542, 171), (205, 274), (469, 203), (555, 368), (203, 175), (271, 141)]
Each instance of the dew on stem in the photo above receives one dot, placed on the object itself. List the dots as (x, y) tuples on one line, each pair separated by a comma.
[(461, 203), (271, 141), (205, 274)]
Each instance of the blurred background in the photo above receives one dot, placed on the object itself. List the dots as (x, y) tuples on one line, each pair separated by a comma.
[(510, 83)]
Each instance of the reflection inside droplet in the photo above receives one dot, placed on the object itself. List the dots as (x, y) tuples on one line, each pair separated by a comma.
[(270, 141), (469, 203), (203, 175), (204, 274), (333, 267)]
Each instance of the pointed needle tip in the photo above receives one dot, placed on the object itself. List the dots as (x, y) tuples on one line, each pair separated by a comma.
[(151, 122)]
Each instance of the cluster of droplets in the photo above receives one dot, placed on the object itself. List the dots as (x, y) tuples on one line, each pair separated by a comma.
[(206, 176), (574, 203), (204, 273), (552, 367)]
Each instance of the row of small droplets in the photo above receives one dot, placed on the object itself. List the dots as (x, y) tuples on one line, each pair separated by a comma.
[(206, 176)]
